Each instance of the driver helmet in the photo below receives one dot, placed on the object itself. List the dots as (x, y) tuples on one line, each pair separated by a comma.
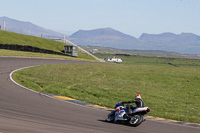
[(117, 105), (138, 96)]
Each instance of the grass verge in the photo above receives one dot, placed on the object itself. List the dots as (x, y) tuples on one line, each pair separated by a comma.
[(12, 53), (170, 92)]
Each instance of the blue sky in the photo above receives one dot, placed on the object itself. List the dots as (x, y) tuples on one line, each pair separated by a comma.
[(132, 17)]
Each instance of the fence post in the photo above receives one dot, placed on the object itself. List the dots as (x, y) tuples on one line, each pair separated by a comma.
[(64, 39), (4, 25)]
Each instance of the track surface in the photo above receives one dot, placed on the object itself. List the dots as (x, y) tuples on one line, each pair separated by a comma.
[(22, 111)]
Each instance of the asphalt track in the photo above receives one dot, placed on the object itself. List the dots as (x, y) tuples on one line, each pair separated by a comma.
[(23, 111)]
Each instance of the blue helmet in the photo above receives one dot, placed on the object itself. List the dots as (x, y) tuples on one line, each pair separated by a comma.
[(117, 105)]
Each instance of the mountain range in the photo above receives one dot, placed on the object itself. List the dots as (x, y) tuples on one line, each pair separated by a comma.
[(185, 43), (105, 37)]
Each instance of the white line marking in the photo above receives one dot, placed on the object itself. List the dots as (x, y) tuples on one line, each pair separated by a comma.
[(19, 84), (46, 94)]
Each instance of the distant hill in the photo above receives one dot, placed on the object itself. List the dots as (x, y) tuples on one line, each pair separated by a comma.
[(185, 43), (26, 28), (105, 37), (182, 38), (164, 37)]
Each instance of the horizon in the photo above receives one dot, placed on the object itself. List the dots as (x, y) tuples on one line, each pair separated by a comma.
[(132, 17), (185, 43), (103, 28)]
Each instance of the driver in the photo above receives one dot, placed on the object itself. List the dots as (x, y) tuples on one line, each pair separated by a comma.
[(138, 101)]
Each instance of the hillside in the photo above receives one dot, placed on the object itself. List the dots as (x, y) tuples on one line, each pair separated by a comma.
[(164, 37), (185, 43), (107, 33), (12, 44), (26, 27), (105, 37), (9, 38)]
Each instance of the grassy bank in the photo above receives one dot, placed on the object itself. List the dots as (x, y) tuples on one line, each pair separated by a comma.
[(170, 92), (42, 43), (19, 39)]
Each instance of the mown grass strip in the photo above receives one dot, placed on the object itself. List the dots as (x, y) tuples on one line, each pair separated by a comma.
[(170, 92)]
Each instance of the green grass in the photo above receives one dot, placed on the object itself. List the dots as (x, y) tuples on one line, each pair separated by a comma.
[(42, 43), (170, 92), (104, 50), (154, 60), (13, 53), (14, 38)]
